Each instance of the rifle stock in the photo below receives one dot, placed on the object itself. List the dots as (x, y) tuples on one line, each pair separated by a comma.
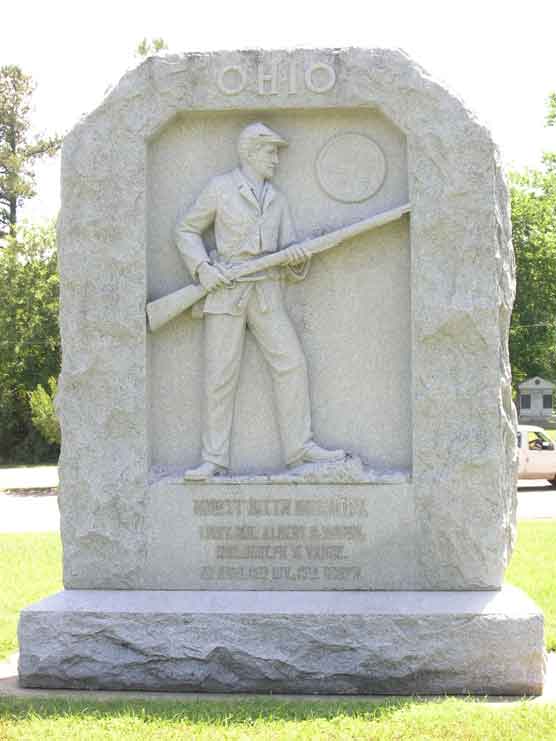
[(162, 310)]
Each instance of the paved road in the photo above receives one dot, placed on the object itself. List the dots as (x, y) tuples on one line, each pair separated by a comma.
[(34, 508), (536, 500), (28, 477), (29, 514)]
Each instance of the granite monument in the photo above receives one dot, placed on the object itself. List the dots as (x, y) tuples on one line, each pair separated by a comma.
[(289, 458)]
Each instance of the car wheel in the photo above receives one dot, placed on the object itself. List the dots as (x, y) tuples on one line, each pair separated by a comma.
[(552, 482)]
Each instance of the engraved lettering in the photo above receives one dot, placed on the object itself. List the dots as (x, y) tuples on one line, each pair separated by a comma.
[(280, 572), (222, 573), (231, 80), (283, 532), (269, 507), (273, 552), (211, 507), (325, 552), (342, 573), (259, 572), (320, 77), (215, 532), (346, 533), (344, 506), (292, 79), (349, 533), (252, 552), (328, 506), (270, 77), (308, 573)]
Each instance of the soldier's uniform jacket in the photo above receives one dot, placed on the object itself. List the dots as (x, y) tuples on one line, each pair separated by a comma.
[(244, 228)]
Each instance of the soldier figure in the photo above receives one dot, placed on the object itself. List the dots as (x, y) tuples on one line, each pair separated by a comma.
[(250, 218)]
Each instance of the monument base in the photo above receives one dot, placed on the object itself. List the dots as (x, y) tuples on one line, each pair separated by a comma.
[(285, 642)]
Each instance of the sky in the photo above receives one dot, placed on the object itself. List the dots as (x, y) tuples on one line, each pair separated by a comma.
[(499, 56)]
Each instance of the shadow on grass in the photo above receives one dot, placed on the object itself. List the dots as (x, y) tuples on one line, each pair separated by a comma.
[(536, 487), (199, 710), (43, 491)]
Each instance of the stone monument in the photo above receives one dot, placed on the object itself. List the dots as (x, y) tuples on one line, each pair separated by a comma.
[(289, 457)]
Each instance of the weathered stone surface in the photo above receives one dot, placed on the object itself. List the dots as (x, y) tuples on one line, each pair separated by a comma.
[(383, 642), (405, 331)]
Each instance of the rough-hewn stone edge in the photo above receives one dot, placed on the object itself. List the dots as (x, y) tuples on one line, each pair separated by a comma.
[(364, 643), (506, 281)]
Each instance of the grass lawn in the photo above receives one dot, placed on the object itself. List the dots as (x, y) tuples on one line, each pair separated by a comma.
[(270, 720), (533, 569), (30, 568)]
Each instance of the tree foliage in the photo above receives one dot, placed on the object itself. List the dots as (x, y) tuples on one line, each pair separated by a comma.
[(19, 151), (29, 337), (533, 329), (146, 48), (551, 115), (43, 413)]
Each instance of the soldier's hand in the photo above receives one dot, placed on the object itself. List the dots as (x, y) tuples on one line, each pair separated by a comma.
[(213, 276), (298, 255)]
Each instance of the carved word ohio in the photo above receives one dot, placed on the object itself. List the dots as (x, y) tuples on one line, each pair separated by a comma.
[(274, 79)]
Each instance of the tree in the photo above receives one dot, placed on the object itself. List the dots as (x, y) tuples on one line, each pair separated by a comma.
[(29, 337), (533, 328), (19, 151)]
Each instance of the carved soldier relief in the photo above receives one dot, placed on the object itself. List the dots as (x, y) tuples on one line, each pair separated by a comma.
[(237, 287), (251, 218)]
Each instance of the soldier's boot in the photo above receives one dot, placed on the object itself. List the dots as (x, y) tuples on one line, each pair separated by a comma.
[(205, 471), (313, 453)]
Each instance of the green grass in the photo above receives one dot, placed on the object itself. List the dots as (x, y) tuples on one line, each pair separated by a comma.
[(30, 568), (270, 720), (533, 569)]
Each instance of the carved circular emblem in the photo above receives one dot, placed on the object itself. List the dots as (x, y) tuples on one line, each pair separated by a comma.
[(351, 167)]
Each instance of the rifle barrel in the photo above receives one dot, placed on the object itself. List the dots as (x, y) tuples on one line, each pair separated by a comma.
[(325, 242), (162, 310)]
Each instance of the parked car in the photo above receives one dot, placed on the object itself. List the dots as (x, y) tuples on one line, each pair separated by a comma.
[(537, 454)]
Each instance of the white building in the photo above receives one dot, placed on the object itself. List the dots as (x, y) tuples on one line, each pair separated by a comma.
[(535, 399)]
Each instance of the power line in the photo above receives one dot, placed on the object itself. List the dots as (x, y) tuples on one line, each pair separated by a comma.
[(550, 323)]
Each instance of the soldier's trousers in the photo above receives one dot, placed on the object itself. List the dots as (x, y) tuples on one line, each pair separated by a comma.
[(277, 339)]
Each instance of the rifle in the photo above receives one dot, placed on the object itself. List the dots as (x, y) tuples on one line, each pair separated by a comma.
[(162, 310)]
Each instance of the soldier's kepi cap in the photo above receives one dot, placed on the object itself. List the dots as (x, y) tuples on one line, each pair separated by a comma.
[(259, 132)]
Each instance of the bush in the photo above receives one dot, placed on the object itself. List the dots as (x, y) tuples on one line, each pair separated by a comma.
[(43, 413)]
